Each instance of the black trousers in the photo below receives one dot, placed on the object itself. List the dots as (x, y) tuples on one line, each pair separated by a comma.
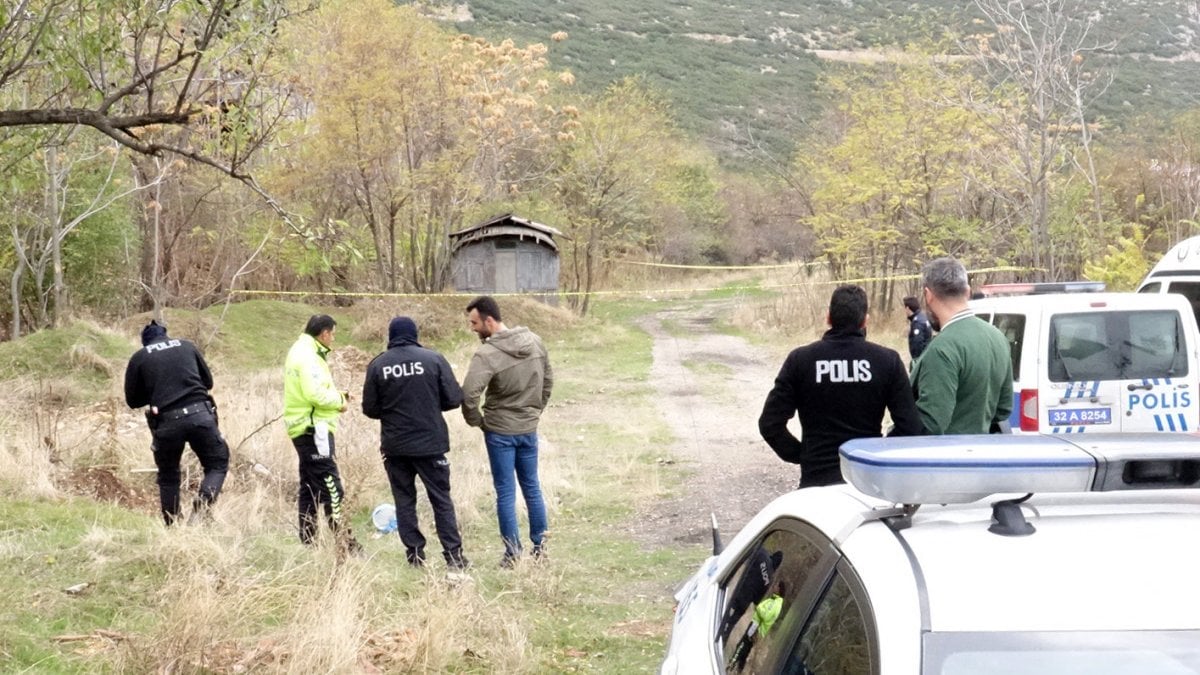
[(435, 474), (320, 483), (199, 430)]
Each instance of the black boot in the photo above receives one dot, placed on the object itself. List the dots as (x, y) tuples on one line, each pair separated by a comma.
[(456, 560)]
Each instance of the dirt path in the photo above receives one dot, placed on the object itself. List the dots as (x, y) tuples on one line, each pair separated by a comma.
[(710, 388)]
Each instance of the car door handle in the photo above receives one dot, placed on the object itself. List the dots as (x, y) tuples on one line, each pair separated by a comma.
[(1135, 387)]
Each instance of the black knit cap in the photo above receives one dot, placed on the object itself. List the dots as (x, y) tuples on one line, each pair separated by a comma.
[(153, 332), (402, 331)]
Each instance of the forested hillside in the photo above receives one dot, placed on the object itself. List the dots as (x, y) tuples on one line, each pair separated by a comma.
[(747, 72), (190, 154)]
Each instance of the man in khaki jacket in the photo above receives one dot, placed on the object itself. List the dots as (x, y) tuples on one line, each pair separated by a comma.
[(513, 369)]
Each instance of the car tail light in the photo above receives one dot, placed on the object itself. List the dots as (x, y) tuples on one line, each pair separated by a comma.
[(1029, 410)]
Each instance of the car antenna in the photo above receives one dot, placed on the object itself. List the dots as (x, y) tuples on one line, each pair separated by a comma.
[(716, 536), (1008, 520)]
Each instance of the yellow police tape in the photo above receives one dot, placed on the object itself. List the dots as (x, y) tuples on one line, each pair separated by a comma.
[(615, 293), (719, 267)]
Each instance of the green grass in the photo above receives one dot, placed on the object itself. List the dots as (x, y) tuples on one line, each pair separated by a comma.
[(257, 333), (248, 335), (602, 604), (43, 549), (741, 289), (717, 370), (614, 612), (622, 311), (46, 352)]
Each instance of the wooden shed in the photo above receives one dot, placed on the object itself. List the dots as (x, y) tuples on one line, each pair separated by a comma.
[(507, 254)]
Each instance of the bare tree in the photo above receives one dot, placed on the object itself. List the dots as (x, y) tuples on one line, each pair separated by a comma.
[(127, 66), (1035, 59), (172, 77), (39, 227)]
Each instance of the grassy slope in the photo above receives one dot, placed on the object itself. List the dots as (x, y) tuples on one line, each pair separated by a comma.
[(243, 593), (724, 92), (203, 599)]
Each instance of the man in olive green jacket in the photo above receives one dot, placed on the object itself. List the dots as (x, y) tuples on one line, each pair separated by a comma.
[(963, 379), (311, 405), (512, 367)]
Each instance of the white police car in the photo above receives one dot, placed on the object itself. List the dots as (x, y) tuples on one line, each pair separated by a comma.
[(910, 573), (1177, 272), (1087, 362)]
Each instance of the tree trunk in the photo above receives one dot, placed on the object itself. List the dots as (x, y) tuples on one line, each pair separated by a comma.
[(574, 281), (589, 272), (15, 290), (1042, 260), (149, 264), (391, 233), (58, 290), (54, 217)]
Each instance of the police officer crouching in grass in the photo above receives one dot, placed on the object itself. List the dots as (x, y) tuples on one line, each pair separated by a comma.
[(171, 377), (839, 386), (407, 388)]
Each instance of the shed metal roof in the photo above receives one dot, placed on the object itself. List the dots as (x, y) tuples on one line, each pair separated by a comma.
[(507, 224)]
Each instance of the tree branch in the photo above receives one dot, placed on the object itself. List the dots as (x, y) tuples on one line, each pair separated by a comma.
[(92, 118), (9, 33), (143, 79)]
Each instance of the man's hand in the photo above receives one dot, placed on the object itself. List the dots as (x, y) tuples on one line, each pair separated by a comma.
[(345, 401)]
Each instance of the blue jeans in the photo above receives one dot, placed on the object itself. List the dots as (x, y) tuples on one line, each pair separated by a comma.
[(508, 455)]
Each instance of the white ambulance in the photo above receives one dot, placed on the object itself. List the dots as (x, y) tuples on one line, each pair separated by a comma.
[(1177, 272), (1089, 361)]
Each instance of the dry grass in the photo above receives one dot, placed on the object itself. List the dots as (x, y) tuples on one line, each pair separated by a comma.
[(241, 595), (83, 356), (796, 312), (229, 606), (38, 447), (26, 459), (437, 318)]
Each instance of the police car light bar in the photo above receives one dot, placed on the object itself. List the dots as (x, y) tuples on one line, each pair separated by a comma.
[(993, 290), (962, 469)]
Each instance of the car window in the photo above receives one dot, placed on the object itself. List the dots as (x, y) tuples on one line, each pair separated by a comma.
[(1189, 290), (772, 586), (1116, 346), (835, 641), (1150, 288), (1013, 328)]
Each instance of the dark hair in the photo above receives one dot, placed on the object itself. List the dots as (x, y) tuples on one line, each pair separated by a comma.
[(912, 303), (945, 278), (486, 306), (847, 307), (319, 323)]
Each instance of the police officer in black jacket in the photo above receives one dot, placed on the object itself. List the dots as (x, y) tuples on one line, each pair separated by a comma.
[(920, 331), (408, 388), (840, 386), (171, 377)]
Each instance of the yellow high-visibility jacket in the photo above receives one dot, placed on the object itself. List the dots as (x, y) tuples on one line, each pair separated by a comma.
[(309, 395)]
